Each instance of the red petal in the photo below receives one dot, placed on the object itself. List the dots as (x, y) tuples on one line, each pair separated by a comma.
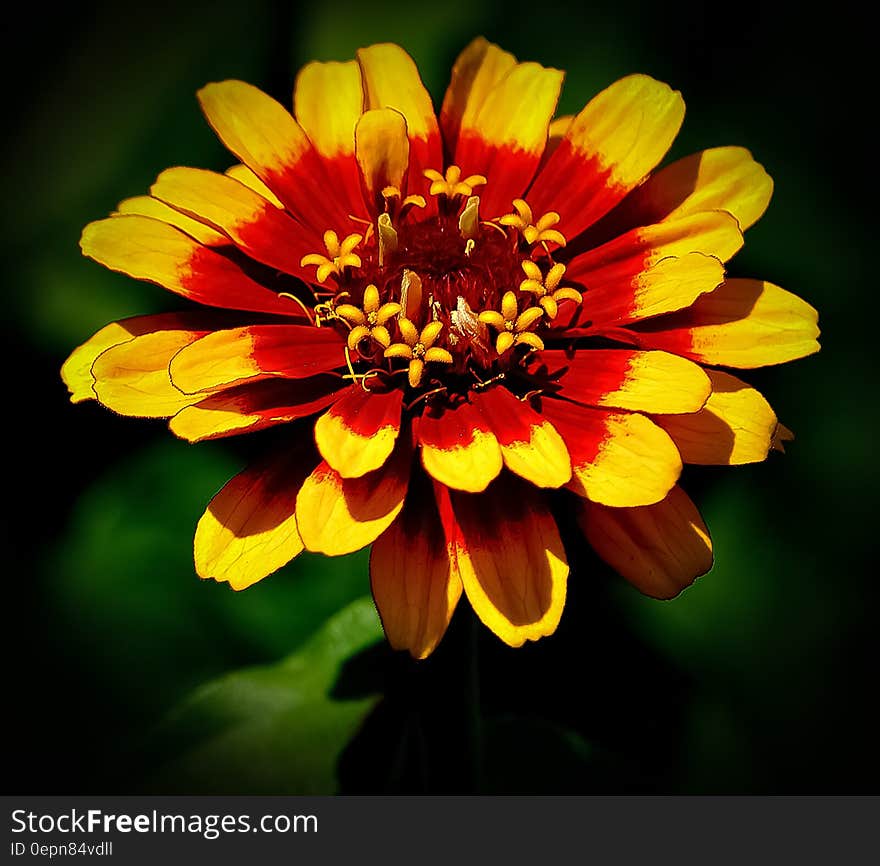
[(256, 352), (530, 445), (252, 407), (415, 583), (357, 434), (458, 447)]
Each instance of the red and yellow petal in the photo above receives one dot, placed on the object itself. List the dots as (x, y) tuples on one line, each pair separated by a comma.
[(254, 224), (357, 434), (415, 584), (337, 515), (391, 80), (249, 529), (736, 426), (266, 138), (252, 407), (506, 137), (514, 571), (475, 73), (655, 382), (618, 296), (743, 323), (621, 459), (234, 356), (722, 178), (615, 141), (714, 233), (458, 447), (661, 549), (530, 445), (150, 250), (132, 378), (328, 99)]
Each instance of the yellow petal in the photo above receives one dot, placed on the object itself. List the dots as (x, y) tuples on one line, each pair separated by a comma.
[(415, 371), (504, 342), (255, 225), (505, 140), (338, 515), (514, 571), (357, 434), (530, 445), (619, 459), (147, 249), (671, 284), (438, 356), (391, 80), (660, 549), (430, 333), (629, 127), (474, 74), (145, 205), (743, 323), (77, 370), (656, 382), (408, 331), (244, 175), (328, 99), (723, 178), (608, 149), (382, 150), (459, 448), (509, 308), (249, 529), (132, 378), (415, 585), (735, 426), (493, 318)]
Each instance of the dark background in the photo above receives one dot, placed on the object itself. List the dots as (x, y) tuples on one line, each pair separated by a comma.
[(759, 679)]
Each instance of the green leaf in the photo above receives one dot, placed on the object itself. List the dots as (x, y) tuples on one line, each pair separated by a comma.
[(277, 729), (125, 597)]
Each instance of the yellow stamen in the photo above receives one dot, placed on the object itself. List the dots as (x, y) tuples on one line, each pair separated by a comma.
[(514, 327), (340, 255), (418, 348), (368, 320), (360, 378), (546, 288), (296, 300), (393, 196), (451, 184), (533, 232)]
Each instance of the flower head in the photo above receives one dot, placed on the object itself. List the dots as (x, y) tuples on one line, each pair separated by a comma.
[(404, 313)]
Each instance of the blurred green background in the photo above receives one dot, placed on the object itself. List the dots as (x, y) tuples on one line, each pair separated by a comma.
[(127, 674)]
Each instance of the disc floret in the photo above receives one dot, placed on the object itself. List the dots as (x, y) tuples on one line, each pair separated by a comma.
[(514, 327), (369, 320), (418, 348), (546, 288)]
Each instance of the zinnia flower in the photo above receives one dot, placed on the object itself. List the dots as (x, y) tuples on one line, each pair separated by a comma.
[(453, 317)]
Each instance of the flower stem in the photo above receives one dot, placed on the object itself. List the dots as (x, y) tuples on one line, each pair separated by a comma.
[(474, 714)]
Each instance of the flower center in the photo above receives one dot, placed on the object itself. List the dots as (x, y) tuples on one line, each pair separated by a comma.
[(451, 267), (455, 297)]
